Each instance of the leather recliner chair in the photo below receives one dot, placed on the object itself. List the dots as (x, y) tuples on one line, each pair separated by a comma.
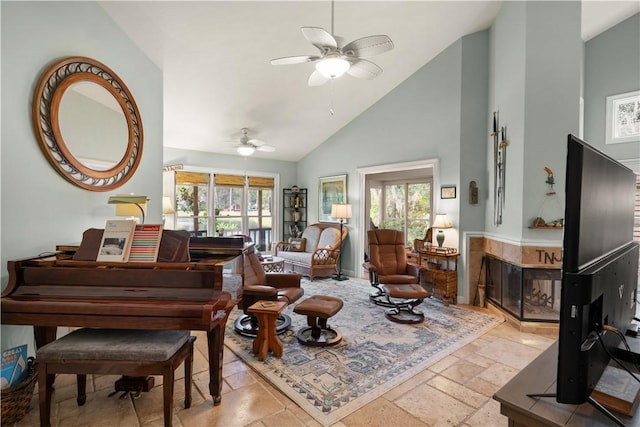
[(396, 282), (261, 286)]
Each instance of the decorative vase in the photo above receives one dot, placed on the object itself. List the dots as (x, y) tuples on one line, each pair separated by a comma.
[(296, 216)]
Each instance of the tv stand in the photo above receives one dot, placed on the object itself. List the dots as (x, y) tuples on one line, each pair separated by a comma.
[(525, 411), (590, 401)]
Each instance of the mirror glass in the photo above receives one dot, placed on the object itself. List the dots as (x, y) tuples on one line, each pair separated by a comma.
[(93, 125), (87, 123)]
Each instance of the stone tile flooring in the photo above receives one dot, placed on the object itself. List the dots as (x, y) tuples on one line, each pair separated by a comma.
[(456, 391)]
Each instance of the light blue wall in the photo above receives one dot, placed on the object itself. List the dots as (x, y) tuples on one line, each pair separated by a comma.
[(507, 48), (612, 66), (474, 125), (551, 108), (39, 208), (535, 75)]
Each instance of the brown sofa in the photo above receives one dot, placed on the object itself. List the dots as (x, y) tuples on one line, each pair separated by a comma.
[(319, 253)]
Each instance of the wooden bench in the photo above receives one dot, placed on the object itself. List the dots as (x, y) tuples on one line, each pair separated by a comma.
[(116, 351)]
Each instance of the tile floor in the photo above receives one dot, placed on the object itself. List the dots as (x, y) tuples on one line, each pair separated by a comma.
[(454, 392)]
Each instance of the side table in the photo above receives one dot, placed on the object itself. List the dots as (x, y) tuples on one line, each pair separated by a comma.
[(442, 274), (267, 312), (273, 264)]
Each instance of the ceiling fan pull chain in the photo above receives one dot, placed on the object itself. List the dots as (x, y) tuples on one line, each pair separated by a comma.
[(331, 98)]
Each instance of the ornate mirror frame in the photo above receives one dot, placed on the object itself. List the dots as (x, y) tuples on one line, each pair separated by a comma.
[(55, 80)]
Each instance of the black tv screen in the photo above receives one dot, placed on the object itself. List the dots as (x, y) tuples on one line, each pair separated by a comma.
[(600, 194), (599, 267)]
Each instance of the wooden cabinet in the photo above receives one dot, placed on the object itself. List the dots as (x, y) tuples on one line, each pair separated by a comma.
[(441, 277), (294, 212)]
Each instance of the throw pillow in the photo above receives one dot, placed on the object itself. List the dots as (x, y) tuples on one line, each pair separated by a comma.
[(297, 244)]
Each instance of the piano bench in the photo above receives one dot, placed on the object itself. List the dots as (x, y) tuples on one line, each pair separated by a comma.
[(116, 351)]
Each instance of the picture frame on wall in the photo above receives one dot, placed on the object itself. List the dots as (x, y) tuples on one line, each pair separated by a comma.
[(448, 192), (623, 118), (331, 189)]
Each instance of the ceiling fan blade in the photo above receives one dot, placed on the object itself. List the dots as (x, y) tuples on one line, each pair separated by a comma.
[(256, 142), (266, 148), (368, 46), (294, 60), (317, 79), (320, 38), (364, 69)]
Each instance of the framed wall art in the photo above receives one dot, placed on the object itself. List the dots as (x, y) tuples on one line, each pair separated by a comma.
[(332, 189), (623, 118), (448, 192)]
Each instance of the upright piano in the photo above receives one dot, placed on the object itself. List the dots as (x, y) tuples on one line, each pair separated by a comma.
[(48, 292)]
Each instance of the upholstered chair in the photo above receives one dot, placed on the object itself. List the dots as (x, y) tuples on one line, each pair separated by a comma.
[(259, 285), (396, 282)]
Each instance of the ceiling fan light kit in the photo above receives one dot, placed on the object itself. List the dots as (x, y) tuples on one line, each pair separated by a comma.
[(246, 150), (247, 146), (333, 66)]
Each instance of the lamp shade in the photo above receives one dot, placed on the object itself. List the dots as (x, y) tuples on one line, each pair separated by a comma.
[(332, 66), (167, 206), (441, 221), (129, 209), (341, 211), (130, 205)]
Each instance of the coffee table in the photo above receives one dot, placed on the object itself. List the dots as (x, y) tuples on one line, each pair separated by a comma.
[(273, 264)]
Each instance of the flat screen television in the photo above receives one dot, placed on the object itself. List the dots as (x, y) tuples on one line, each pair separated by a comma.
[(599, 267)]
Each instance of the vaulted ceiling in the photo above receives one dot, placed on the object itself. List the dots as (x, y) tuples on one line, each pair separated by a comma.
[(215, 57)]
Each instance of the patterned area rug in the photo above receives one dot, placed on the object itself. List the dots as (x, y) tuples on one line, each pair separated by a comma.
[(374, 356)]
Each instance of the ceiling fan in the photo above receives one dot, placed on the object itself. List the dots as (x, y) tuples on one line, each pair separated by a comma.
[(335, 58), (247, 146)]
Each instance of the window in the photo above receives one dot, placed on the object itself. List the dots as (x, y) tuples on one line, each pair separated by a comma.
[(260, 211), (402, 206), (192, 201), (224, 205)]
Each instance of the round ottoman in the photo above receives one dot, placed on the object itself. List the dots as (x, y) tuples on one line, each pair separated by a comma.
[(319, 308)]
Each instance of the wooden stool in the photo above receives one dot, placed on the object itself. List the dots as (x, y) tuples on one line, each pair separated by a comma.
[(319, 308), (412, 296), (267, 313), (115, 351)]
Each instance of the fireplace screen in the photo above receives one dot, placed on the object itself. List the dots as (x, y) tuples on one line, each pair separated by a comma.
[(530, 294)]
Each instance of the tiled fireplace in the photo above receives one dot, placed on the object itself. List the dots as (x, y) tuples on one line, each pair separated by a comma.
[(523, 281), (529, 294)]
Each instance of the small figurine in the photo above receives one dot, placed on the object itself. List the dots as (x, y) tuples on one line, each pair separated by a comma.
[(550, 179)]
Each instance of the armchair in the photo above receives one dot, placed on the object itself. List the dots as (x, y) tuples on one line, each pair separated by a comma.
[(427, 240), (396, 282), (261, 286)]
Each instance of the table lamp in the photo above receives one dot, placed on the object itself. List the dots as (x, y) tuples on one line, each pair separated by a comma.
[(441, 222), (130, 205)]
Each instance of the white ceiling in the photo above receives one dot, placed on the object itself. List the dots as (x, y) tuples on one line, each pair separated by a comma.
[(218, 79)]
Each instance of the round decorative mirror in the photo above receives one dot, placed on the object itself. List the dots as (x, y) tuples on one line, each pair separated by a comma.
[(87, 124)]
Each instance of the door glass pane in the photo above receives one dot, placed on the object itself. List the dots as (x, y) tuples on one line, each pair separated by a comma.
[(192, 203), (418, 211), (374, 208), (228, 208), (394, 216), (259, 215)]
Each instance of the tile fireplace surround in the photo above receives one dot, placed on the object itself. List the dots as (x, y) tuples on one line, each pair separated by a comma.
[(522, 281)]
